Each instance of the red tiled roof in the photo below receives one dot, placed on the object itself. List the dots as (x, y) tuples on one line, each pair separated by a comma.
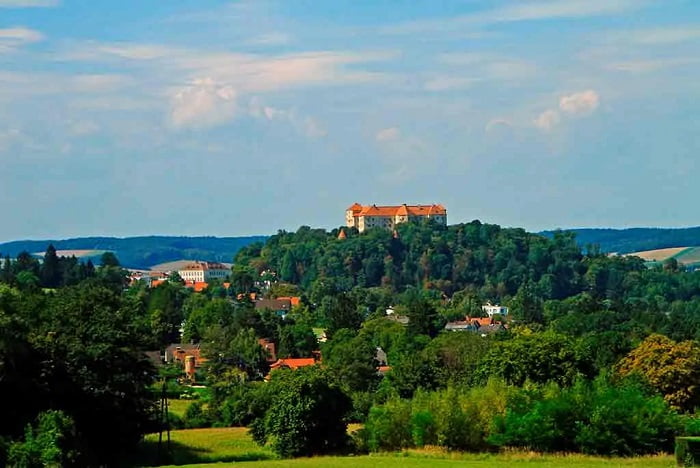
[(400, 210), (482, 321), (293, 300), (294, 363)]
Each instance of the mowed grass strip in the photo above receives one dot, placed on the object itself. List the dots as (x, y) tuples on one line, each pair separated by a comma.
[(418, 460), (201, 446)]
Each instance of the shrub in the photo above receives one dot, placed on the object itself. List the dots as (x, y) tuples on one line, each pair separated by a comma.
[(307, 416), (624, 421), (388, 426), (592, 418), (48, 444), (196, 417)]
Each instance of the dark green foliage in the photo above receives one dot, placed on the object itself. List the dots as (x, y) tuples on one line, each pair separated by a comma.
[(164, 306), (450, 418), (195, 416), (687, 451), (51, 442), (51, 269), (389, 427), (307, 415), (596, 418), (351, 359), (534, 357), (447, 259), (79, 351), (296, 340)]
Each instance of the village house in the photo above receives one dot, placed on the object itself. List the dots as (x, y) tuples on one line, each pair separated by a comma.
[(388, 217), (187, 355), (203, 272), (481, 325), (281, 306), (492, 310)]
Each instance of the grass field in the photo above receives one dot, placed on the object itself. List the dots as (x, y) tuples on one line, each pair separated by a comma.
[(178, 407), (473, 461), (191, 446), (690, 256), (228, 447), (659, 255), (77, 253)]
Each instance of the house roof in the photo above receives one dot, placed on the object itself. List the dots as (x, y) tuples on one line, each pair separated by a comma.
[(178, 352), (399, 210), (293, 363), (200, 266), (274, 304), (293, 300)]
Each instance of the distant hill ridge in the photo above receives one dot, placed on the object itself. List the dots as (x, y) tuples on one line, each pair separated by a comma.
[(630, 240), (144, 251)]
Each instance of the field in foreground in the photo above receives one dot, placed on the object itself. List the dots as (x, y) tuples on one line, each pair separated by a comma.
[(224, 447)]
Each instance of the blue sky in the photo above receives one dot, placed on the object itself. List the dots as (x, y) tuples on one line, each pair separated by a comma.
[(236, 118)]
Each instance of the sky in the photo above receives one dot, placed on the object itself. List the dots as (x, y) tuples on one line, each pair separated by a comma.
[(199, 117)]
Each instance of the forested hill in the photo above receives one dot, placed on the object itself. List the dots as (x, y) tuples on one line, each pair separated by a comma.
[(143, 252), (635, 239)]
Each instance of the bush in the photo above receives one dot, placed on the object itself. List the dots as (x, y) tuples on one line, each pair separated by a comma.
[(448, 418), (593, 418), (691, 426), (48, 444), (307, 415), (624, 421), (196, 417), (388, 426)]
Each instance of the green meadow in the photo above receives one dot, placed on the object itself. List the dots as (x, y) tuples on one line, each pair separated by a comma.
[(224, 447)]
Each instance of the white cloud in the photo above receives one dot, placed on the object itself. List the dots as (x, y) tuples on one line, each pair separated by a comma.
[(541, 10), (202, 103), (584, 102), (13, 38), (245, 72), (388, 134), (547, 120), (307, 126), (522, 11), (576, 104), (28, 3)]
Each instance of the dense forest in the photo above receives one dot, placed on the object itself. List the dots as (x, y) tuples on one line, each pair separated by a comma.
[(143, 252), (598, 354)]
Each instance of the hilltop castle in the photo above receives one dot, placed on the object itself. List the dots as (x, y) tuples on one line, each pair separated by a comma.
[(369, 216)]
